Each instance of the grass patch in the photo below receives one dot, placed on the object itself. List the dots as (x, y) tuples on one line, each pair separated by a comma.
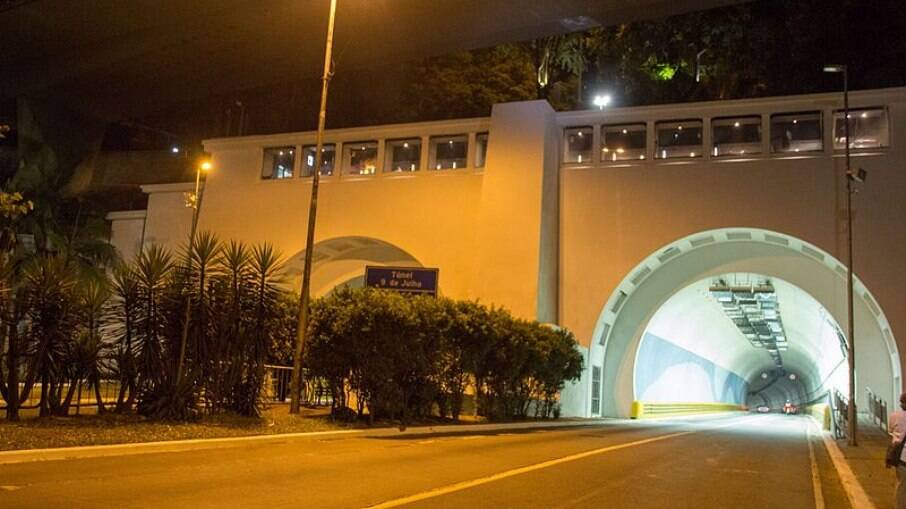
[(49, 432)]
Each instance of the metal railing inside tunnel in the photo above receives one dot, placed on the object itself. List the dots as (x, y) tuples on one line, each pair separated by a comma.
[(840, 405), (877, 410)]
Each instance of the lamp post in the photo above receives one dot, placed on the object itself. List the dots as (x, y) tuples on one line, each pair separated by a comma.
[(851, 332), (203, 166), (305, 297), (601, 101)]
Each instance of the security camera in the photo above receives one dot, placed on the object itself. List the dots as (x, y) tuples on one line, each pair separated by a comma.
[(858, 175)]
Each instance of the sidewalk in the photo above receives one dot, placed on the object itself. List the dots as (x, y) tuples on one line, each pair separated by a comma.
[(867, 463)]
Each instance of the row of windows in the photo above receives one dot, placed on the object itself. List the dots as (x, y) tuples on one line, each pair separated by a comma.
[(730, 136), (361, 157)]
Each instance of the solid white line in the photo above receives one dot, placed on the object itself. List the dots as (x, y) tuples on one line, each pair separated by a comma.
[(106, 450), (854, 491), (443, 490), (816, 474), (123, 449)]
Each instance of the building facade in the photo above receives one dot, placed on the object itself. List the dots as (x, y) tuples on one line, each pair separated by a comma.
[(697, 251)]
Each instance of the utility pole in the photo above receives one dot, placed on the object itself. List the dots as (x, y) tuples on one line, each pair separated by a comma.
[(305, 297), (853, 425), (851, 413)]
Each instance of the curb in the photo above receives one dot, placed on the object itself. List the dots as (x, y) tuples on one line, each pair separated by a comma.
[(109, 450), (855, 493)]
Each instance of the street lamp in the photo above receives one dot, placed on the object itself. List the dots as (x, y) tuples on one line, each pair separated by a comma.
[(851, 410), (305, 297), (203, 167), (601, 101)]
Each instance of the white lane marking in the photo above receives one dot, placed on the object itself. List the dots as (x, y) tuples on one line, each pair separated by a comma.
[(854, 491), (163, 446), (443, 490), (816, 474)]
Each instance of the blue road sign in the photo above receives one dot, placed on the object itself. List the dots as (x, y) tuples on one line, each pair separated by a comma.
[(402, 279)]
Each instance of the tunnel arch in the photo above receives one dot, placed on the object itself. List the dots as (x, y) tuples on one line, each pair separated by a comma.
[(631, 306), (342, 260)]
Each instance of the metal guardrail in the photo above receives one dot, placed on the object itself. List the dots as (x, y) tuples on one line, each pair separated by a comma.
[(277, 381), (276, 390), (84, 396), (644, 409), (877, 410), (840, 413)]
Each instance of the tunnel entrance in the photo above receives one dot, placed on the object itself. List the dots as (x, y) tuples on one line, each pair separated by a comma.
[(341, 261), (652, 339), (741, 339)]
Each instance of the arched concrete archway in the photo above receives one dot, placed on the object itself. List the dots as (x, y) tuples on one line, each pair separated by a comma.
[(629, 310), (342, 260)]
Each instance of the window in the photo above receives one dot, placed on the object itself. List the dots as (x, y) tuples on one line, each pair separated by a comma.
[(361, 157), (736, 136), (623, 142), (328, 156), (679, 138), (867, 129), (577, 145), (278, 163), (449, 152), (481, 149), (796, 132), (403, 155)]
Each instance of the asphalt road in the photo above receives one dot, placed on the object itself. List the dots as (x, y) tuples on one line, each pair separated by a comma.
[(757, 461)]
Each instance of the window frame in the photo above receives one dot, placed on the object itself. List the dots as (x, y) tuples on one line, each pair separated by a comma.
[(436, 140), (842, 147), (642, 153), (293, 150), (792, 114), (349, 147), (324, 146), (753, 119), (481, 158), (564, 151), (390, 144), (660, 152)]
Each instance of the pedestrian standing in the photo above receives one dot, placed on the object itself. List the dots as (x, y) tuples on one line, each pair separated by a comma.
[(897, 427)]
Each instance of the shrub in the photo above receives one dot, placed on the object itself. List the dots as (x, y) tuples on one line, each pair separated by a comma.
[(400, 356)]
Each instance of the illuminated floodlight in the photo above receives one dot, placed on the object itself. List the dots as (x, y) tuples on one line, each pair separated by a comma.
[(834, 68), (174, 149), (601, 101)]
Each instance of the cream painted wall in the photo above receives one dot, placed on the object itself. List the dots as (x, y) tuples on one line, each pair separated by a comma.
[(528, 235), (613, 217), (432, 215), (126, 229), (169, 220)]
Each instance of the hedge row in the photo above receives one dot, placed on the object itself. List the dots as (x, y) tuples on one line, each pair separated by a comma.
[(395, 356)]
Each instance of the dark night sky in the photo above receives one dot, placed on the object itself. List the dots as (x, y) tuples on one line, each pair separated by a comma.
[(869, 35)]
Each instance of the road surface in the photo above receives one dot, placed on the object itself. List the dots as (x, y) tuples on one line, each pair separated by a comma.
[(740, 461)]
